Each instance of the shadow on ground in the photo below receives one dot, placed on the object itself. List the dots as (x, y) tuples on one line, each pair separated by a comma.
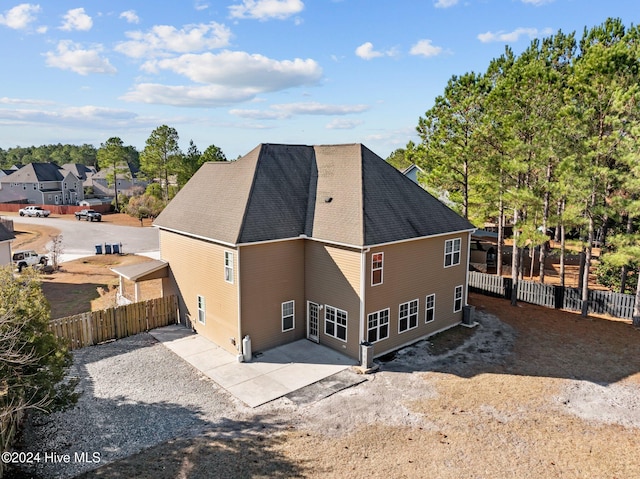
[(527, 340)]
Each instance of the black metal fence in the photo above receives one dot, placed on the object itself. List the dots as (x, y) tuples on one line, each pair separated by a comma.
[(552, 296)]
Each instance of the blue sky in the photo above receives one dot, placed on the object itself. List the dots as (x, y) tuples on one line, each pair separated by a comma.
[(237, 73)]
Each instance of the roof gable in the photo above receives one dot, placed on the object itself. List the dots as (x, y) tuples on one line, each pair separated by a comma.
[(338, 193), (34, 173)]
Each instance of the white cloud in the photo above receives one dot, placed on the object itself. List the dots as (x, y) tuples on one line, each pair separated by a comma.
[(189, 95), (288, 110), (130, 16), (201, 5), (513, 36), (164, 39), (241, 70), (76, 19), (266, 9), (342, 124), (445, 3), (86, 116), (425, 48), (71, 56), (23, 101), (366, 51), (20, 16)]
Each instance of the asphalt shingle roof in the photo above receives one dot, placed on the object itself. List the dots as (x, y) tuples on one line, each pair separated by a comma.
[(338, 193), (5, 234)]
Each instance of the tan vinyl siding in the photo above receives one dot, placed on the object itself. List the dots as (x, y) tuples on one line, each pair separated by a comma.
[(413, 270), (272, 273), (197, 268), (332, 277)]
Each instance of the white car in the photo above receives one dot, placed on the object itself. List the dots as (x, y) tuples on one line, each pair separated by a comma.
[(22, 259), (34, 211)]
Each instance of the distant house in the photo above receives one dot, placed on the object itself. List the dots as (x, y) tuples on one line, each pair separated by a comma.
[(6, 237), (43, 183), (81, 171), (328, 243), (126, 181), (412, 172)]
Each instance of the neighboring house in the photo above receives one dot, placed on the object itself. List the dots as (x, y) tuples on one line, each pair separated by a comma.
[(44, 183), (81, 171), (412, 173), (6, 237), (330, 243), (126, 181)]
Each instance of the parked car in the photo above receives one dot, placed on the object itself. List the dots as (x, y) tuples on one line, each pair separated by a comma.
[(89, 215), (22, 259), (34, 211)]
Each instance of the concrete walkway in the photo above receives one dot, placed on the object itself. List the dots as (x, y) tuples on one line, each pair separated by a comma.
[(272, 374)]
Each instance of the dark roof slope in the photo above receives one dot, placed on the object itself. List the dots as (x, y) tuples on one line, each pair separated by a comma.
[(34, 173), (5, 234), (338, 193)]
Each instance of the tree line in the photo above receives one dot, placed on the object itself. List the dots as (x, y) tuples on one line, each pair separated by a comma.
[(161, 161), (545, 141)]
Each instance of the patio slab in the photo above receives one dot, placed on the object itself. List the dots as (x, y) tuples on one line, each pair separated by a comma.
[(270, 375)]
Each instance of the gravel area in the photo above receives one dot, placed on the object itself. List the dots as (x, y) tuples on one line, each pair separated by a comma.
[(135, 394), (468, 396)]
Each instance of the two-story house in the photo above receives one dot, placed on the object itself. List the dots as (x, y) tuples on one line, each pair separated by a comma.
[(44, 183), (330, 243)]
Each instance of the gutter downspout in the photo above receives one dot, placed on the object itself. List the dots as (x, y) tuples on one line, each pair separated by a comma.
[(466, 286), (363, 267), (236, 278)]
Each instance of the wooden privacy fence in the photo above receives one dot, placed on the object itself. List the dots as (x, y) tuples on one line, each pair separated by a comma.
[(553, 296), (94, 327)]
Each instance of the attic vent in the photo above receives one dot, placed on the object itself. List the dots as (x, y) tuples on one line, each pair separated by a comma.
[(328, 199)]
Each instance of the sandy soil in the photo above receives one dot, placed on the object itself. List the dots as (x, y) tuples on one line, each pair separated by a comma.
[(536, 393)]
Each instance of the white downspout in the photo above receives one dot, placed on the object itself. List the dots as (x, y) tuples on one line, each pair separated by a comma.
[(236, 278), (363, 268)]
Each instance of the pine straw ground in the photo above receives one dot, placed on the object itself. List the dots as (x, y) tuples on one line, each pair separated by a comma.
[(550, 394)]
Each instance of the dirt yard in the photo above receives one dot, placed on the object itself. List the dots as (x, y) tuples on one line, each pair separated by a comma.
[(537, 393), (532, 392)]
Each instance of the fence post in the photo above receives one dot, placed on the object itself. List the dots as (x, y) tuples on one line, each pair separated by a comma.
[(508, 287), (558, 296)]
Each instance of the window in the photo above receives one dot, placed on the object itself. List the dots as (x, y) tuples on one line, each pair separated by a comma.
[(377, 262), (335, 323), (378, 326), (430, 308), (288, 316), (228, 266), (457, 299), (202, 312), (452, 252), (408, 317)]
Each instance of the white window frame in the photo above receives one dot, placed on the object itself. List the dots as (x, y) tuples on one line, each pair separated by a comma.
[(450, 252), (430, 308), (337, 318), (377, 268), (378, 317), (287, 314), (458, 297), (409, 304), (202, 310), (228, 266)]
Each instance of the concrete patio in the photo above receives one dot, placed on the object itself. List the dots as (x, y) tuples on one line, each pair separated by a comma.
[(272, 374)]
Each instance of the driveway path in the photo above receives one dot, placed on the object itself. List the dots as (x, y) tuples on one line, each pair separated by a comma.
[(80, 237)]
